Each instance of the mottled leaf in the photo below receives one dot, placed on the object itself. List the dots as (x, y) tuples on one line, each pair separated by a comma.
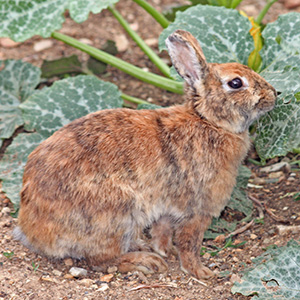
[(51, 108), (17, 82), (281, 52), (276, 276), (278, 131), (223, 33), (13, 162), (20, 20)]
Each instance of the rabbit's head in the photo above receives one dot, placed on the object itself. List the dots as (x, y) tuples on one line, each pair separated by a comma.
[(229, 95)]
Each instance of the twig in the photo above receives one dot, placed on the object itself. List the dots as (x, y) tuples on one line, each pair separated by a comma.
[(259, 206), (150, 286), (240, 230), (274, 217), (199, 281)]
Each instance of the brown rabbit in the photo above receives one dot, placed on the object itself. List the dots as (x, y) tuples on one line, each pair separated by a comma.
[(92, 187)]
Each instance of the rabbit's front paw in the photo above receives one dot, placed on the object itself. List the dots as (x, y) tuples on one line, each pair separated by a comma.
[(146, 262)]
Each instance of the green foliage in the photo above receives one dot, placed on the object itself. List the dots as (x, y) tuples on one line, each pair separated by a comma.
[(45, 111), (8, 255), (276, 275), (17, 82), (38, 17)]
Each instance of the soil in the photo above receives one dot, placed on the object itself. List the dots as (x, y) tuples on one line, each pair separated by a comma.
[(26, 275)]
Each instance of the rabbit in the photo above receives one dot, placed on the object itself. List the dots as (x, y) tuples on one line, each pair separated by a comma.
[(91, 188)]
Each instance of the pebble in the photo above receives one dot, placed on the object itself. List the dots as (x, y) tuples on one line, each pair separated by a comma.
[(68, 262), (235, 278), (290, 4), (284, 166), (6, 210), (107, 278), (253, 236), (206, 255), (220, 239), (86, 281), (284, 230), (134, 26), (103, 287), (276, 174), (8, 43), (151, 42), (112, 269), (57, 273), (235, 259), (78, 272), (42, 45), (86, 41), (122, 42)]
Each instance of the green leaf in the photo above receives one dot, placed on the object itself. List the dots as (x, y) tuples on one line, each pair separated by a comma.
[(13, 162), (20, 20), (51, 108), (281, 52), (45, 112), (223, 33), (278, 131), (238, 201), (61, 66), (275, 276), (17, 82)]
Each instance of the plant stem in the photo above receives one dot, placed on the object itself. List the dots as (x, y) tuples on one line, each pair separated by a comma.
[(164, 23), (156, 80), (133, 99), (264, 11), (140, 42), (235, 3)]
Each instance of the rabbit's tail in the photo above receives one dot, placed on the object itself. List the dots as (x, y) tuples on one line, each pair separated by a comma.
[(19, 235)]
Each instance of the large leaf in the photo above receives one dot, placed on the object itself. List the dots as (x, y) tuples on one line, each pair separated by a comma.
[(51, 108), (17, 82), (46, 111), (281, 52), (20, 20), (223, 33), (13, 162), (276, 276), (278, 131)]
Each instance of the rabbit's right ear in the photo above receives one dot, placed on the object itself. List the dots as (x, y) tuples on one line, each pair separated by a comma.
[(187, 56)]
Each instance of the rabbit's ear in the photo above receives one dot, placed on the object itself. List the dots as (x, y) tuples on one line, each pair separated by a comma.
[(187, 56)]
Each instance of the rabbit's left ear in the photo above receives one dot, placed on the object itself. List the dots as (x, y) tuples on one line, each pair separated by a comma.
[(187, 56)]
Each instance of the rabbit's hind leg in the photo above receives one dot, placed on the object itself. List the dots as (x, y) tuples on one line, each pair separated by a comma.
[(162, 234)]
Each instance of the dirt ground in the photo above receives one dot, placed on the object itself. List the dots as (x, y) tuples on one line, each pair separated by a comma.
[(25, 275)]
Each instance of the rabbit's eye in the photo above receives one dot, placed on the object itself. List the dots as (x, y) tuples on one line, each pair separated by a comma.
[(235, 83)]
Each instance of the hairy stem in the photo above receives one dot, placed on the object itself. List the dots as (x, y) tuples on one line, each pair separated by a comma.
[(140, 42), (164, 23), (156, 80)]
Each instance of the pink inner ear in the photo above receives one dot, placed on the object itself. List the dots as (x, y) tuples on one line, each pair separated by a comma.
[(187, 57)]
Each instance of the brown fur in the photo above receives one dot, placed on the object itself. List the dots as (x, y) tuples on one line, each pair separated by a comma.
[(92, 187)]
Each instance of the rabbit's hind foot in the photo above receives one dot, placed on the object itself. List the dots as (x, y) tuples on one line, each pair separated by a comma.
[(146, 262)]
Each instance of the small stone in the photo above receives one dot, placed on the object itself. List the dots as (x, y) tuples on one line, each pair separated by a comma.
[(103, 287), (235, 259), (86, 41), (78, 272), (235, 278), (42, 45), (284, 166), (284, 230), (112, 269), (151, 42), (220, 239), (122, 42), (68, 262), (6, 210), (291, 178), (290, 4), (134, 26), (8, 43), (285, 208), (107, 277), (206, 255), (57, 273), (86, 281), (276, 175), (253, 236), (68, 276)]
